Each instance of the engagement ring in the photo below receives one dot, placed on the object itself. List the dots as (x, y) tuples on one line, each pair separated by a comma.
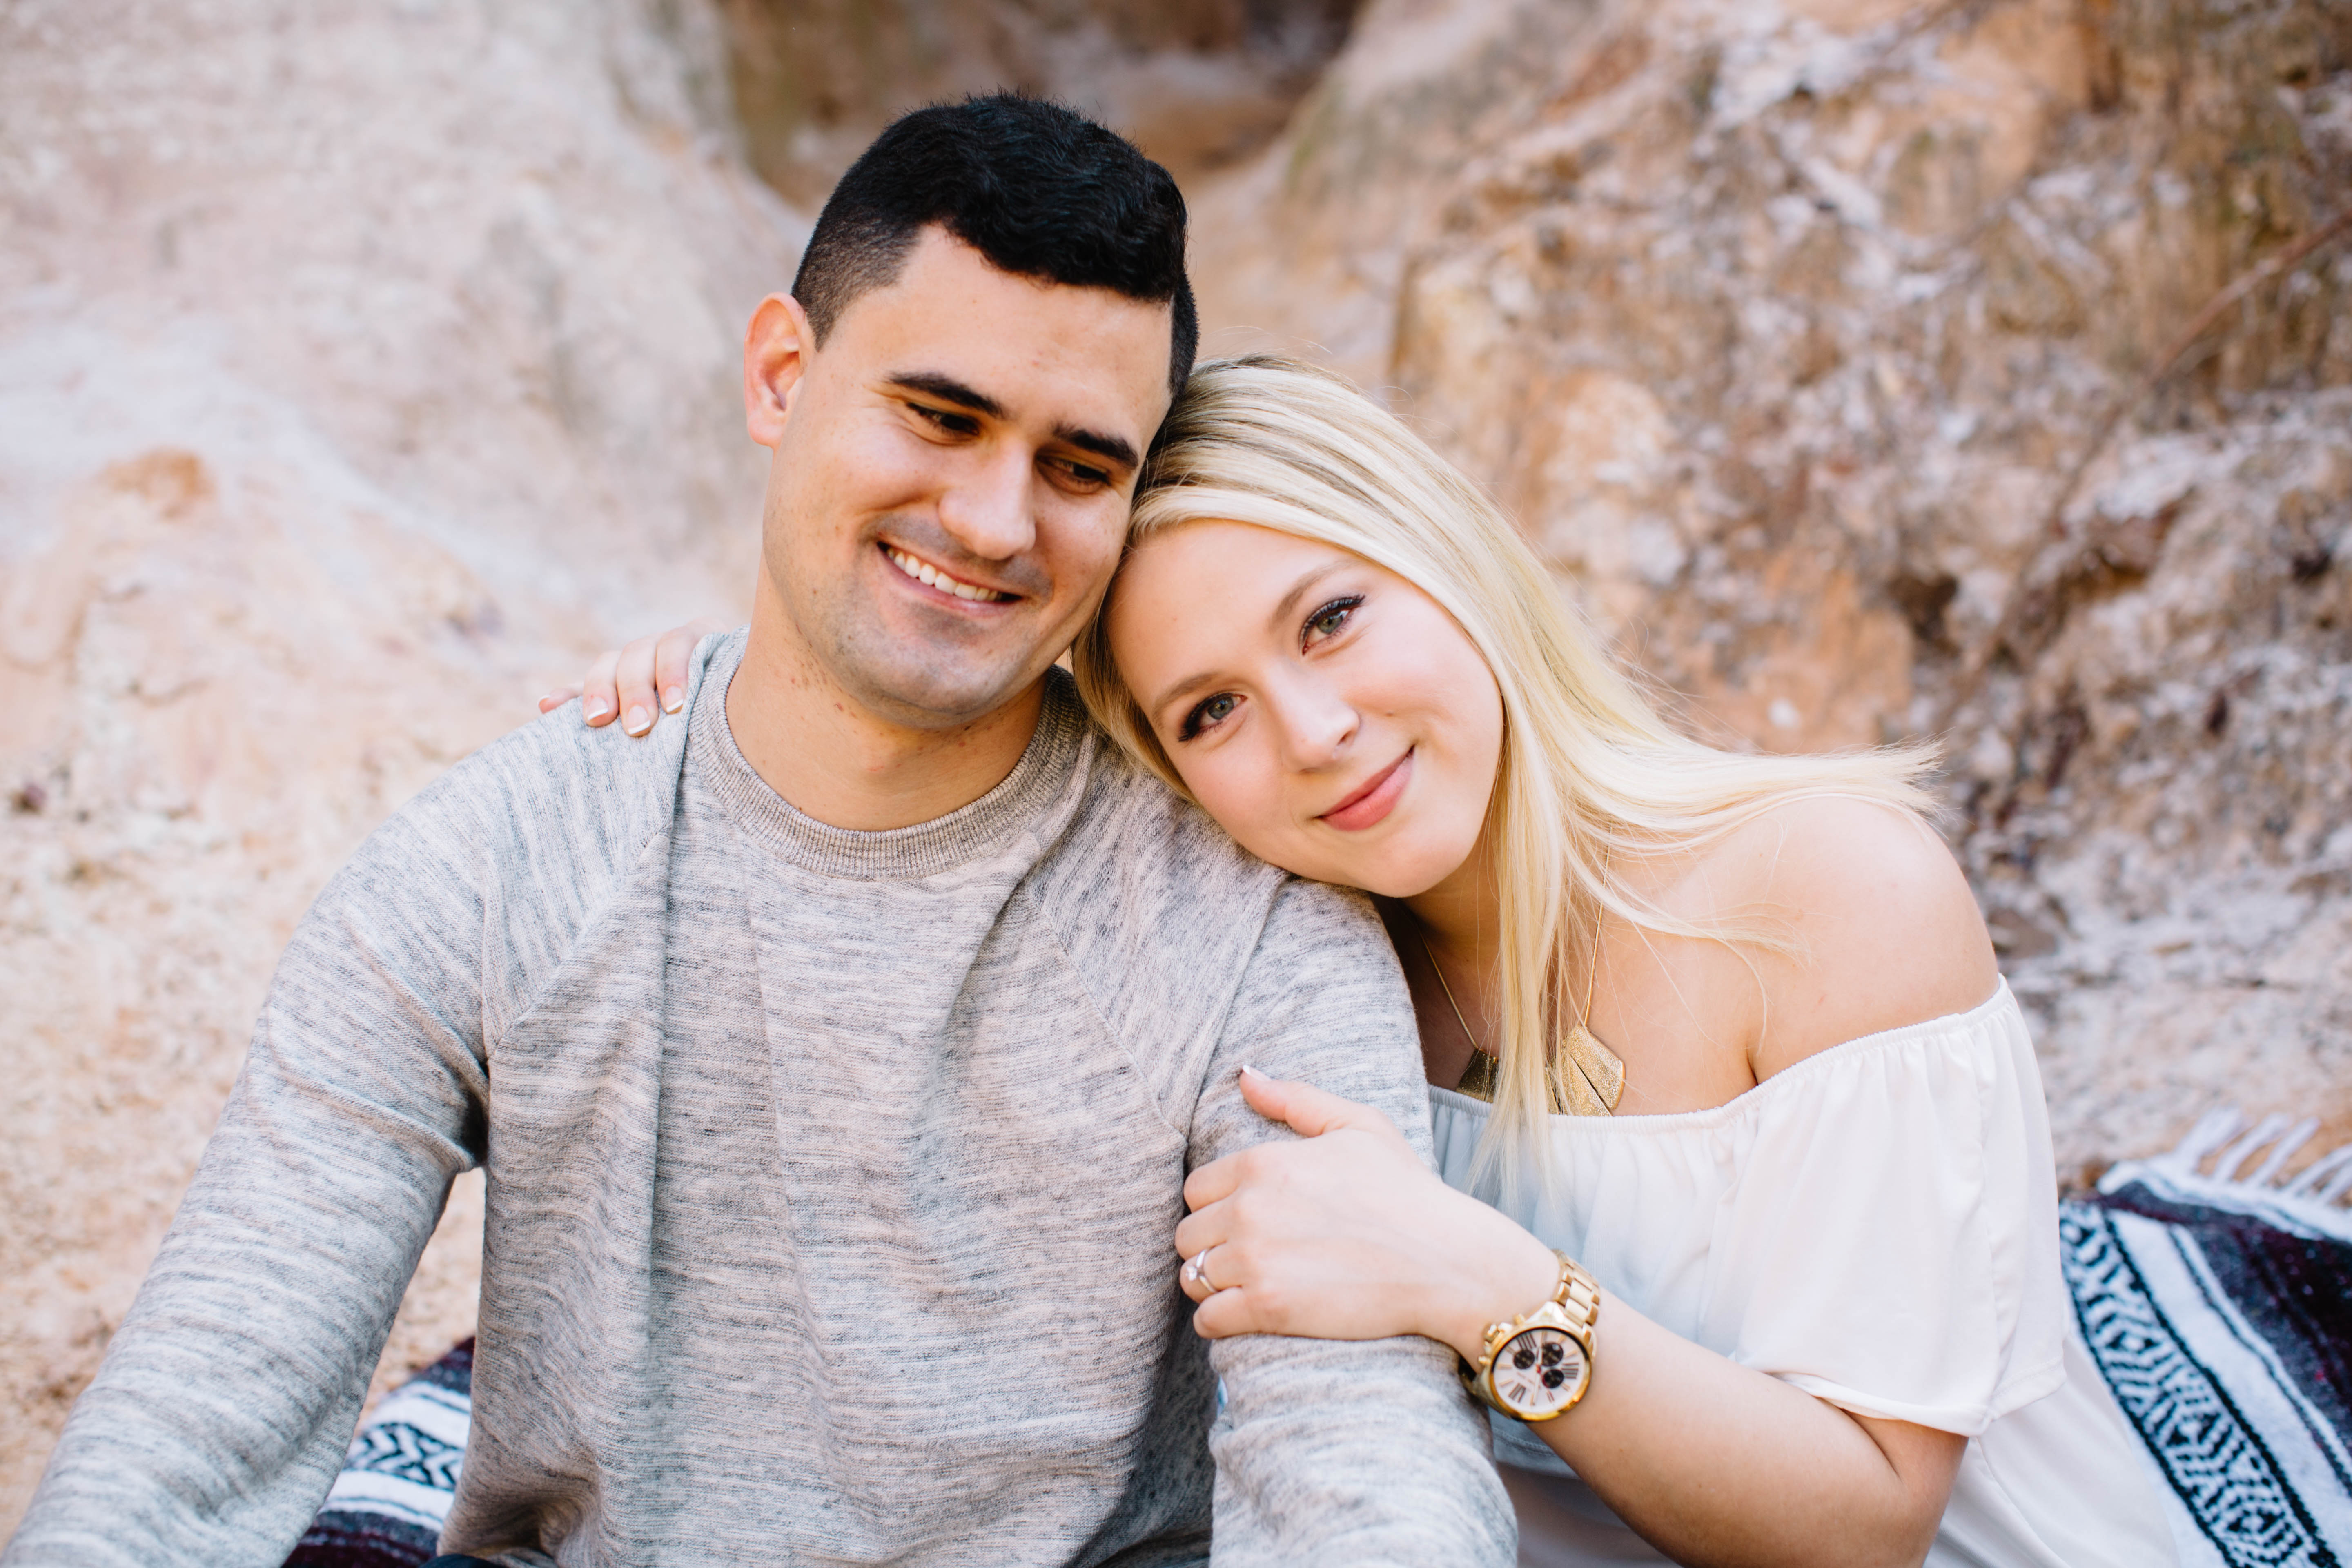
[(1196, 1270)]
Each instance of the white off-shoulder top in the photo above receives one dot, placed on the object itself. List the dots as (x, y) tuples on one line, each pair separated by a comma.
[(1877, 1225)]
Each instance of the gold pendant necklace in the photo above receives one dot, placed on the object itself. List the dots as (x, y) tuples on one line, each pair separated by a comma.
[(1588, 1078)]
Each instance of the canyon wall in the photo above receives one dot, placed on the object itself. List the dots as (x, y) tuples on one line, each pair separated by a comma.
[(1794, 332), (362, 368)]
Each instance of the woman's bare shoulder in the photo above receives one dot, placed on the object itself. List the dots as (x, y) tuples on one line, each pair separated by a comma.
[(1888, 932)]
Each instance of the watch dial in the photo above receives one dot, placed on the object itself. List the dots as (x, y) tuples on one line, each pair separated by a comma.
[(1538, 1371)]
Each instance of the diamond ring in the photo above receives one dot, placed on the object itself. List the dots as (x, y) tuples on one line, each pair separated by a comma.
[(1196, 1270)]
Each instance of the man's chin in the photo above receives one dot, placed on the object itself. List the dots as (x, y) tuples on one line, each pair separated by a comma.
[(933, 699)]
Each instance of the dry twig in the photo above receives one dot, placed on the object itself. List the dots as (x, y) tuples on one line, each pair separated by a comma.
[(2272, 266), (2275, 265)]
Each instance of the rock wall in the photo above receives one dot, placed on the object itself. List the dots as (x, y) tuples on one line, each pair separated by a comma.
[(1785, 328), (1197, 85), (363, 367)]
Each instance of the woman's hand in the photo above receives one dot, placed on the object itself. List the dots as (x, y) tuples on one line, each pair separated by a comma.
[(1348, 1235), (622, 683)]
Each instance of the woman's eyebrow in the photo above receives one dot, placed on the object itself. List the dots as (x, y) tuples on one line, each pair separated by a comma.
[(1181, 689), (1290, 602)]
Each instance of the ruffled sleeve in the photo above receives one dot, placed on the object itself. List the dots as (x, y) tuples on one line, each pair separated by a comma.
[(1877, 1225)]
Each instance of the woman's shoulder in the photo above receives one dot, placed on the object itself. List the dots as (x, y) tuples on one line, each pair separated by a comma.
[(1885, 929)]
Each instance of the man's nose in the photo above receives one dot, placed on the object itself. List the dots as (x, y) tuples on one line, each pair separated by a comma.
[(989, 509)]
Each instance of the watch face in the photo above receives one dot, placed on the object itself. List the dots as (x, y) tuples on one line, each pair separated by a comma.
[(1539, 1371)]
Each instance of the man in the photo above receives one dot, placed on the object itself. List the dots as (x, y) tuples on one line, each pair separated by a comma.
[(837, 1056)]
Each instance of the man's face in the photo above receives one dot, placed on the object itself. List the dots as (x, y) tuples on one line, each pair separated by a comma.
[(951, 474)]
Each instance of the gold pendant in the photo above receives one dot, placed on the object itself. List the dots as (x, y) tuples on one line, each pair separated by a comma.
[(1588, 1077), (1587, 1080)]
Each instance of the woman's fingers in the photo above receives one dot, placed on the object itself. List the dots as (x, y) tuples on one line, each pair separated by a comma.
[(1224, 1314), (640, 681), (1203, 1281), (671, 654), (1209, 1225), (557, 697), (599, 697), (633, 682), (1308, 1110)]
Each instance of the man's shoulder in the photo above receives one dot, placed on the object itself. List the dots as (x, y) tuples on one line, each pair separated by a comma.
[(1162, 913), (1135, 837), (551, 791)]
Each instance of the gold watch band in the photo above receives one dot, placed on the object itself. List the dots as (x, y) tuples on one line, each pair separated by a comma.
[(1574, 1306)]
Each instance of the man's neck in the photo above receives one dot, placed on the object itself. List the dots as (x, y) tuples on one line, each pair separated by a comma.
[(833, 760)]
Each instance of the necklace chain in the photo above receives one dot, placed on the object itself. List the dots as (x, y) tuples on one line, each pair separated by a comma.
[(1603, 1078)]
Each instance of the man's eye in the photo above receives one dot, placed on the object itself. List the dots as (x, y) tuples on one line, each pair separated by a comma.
[(1084, 474), (1214, 710), (957, 424), (1328, 620)]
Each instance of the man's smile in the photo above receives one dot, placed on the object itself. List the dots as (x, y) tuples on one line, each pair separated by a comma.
[(930, 577)]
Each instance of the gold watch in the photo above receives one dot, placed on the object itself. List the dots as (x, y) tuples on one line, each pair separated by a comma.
[(1539, 1363)]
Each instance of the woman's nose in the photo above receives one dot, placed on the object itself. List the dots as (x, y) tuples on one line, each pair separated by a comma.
[(1316, 724)]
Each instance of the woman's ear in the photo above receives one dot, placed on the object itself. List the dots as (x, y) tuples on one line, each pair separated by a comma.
[(777, 348)]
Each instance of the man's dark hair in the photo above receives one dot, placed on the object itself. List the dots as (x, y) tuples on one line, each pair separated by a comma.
[(1039, 190)]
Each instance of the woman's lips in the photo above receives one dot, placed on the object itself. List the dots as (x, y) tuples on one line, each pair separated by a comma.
[(1372, 802)]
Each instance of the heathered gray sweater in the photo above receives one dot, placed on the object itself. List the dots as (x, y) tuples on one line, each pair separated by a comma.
[(831, 1182)]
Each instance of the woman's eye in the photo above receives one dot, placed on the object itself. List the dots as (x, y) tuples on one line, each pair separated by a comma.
[(1215, 711), (1328, 620)]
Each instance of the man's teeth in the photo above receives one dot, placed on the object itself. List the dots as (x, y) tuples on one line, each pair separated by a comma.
[(923, 572)]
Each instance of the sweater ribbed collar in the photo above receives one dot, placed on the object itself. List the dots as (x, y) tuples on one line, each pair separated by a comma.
[(1048, 769)]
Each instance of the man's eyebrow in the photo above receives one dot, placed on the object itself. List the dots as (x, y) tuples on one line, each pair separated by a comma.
[(947, 389), (1115, 448)]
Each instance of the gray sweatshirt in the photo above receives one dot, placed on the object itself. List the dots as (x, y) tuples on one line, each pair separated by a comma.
[(831, 1182)]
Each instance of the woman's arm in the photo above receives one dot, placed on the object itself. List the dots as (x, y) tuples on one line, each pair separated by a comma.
[(1347, 1234)]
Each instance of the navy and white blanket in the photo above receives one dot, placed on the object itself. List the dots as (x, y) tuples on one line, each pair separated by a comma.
[(2217, 1302), (385, 1510), (2219, 1305)]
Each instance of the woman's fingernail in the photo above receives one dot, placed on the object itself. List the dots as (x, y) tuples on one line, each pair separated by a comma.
[(638, 722), (672, 700), (1251, 1071), (592, 709)]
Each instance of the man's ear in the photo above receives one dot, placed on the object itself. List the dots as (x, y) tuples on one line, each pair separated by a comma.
[(777, 347)]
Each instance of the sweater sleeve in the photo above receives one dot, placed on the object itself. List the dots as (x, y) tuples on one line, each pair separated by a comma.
[(223, 1409), (1333, 1451)]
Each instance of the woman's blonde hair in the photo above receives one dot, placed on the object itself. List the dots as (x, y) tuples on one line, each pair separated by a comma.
[(1591, 778)]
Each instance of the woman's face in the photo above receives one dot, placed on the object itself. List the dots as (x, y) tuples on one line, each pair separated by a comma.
[(1327, 712)]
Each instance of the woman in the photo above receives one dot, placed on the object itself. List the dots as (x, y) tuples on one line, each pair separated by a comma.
[(1772, 1272)]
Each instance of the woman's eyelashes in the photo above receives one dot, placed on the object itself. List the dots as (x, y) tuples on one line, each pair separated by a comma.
[(1329, 620), (1207, 712)]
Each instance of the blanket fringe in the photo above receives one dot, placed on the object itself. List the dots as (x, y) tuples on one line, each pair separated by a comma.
[(2311, 1203)]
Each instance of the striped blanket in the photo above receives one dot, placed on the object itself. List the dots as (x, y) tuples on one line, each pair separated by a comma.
[(2218, 1304)]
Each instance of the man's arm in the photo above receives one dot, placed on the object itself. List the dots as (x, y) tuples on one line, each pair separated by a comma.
[(228, 1397), (1329, 1451)]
